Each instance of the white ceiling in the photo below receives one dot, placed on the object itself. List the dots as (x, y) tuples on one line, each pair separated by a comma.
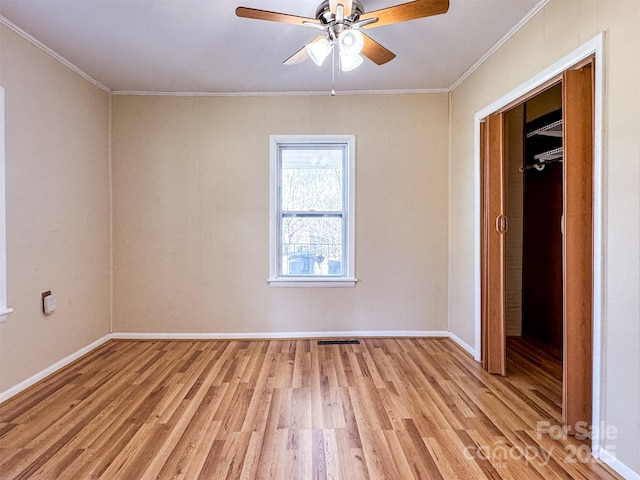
[(200, 46)]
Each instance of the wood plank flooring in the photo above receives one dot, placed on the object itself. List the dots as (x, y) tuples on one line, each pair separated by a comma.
[(291, 409)]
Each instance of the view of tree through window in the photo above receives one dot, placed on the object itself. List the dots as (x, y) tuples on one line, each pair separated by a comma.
[(311, 208)]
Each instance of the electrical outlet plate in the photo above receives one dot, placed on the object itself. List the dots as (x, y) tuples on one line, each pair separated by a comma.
[(49, 302)]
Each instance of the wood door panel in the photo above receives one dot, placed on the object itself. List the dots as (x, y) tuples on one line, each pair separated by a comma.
[(495, 208), (578, 245)]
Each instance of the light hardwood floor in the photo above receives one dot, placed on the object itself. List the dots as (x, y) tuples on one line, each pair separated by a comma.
[(386, 408)]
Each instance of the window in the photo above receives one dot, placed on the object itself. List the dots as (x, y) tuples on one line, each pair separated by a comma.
[(312, 210), (4, 310)]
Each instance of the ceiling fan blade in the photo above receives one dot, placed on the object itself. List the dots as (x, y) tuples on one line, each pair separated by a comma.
[(301, 55), (298, 57), (274, 16), (406, 11), (347, 4), (376, 52)]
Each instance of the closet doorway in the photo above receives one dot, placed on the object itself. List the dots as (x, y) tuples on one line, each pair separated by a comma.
[(537, 232)]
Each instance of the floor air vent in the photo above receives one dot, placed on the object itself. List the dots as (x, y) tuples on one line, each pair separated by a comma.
[(338, 342)]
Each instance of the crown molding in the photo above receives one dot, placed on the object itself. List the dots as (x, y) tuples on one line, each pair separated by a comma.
[(277, 94), (12, 26), (512, 31)]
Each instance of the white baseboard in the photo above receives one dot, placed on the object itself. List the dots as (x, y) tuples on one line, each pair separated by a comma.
[(617, 465), (277, 335), (465, 346), (52, 369)]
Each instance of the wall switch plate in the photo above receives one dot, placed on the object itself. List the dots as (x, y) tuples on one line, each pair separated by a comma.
[(49, 302)]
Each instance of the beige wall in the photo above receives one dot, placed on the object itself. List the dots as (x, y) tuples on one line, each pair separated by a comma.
[(57, 191), (191, 214), (555, 31)]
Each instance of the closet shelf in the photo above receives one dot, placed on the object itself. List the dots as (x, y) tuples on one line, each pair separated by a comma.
[(552, 130), (554, 154)]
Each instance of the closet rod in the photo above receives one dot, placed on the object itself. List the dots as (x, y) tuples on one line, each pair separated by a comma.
[(540, 165)]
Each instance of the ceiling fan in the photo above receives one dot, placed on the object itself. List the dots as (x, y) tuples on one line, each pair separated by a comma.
[(341, 22)]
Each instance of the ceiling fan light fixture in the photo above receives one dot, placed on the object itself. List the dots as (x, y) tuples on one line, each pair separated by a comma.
[(349, 62), (351, 41), (319, 50), (341, 21)]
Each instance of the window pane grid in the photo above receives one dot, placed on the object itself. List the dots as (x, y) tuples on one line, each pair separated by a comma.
[(311, 214)]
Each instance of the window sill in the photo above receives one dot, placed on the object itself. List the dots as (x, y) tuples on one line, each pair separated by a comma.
[(304, 282), (4, 312)]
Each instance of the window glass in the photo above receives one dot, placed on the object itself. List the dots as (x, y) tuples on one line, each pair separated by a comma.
[(312, 215)]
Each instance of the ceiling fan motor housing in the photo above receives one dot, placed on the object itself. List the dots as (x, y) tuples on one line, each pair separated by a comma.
[(326, 17)]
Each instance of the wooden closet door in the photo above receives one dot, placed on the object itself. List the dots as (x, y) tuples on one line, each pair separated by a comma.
[(494, 230), (578, 245)]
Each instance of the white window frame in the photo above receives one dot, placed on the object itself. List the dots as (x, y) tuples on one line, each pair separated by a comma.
[(347, 279), (4, 310)]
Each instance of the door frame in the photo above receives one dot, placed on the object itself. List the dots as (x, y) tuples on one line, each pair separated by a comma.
[(593, 47)]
